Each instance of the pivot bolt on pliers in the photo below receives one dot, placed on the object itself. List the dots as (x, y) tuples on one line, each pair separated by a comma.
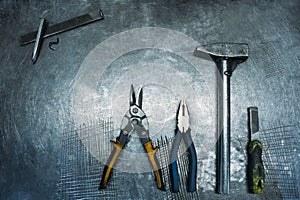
[(183, 131), (134, 120)]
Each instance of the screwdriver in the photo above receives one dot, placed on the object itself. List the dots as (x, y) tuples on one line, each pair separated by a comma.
[(255, 168)]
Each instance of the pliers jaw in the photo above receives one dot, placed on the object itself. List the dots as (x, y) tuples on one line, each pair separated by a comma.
[(133, 100), (135, 118), (183, 118)]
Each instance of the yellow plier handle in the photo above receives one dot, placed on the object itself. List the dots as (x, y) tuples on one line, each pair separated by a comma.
[(155, 164), (117, 148)]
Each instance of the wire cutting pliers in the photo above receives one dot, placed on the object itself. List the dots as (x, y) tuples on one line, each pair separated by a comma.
[(183, 131), (135, 120)]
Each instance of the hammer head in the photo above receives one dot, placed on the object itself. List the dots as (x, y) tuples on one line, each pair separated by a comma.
[(224, 50)]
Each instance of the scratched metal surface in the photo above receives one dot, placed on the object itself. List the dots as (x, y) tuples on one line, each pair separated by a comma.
[(39, 101)]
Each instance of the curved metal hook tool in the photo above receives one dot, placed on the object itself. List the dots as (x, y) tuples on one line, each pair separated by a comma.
[(52, 43)]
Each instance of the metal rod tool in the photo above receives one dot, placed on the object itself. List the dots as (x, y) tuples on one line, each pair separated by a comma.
[(226, 56), (38, 40), (63, 26)]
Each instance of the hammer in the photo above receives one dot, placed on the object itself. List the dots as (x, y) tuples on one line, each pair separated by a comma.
[(226, 56)]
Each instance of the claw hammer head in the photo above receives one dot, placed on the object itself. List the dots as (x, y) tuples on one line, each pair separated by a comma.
[(234, 53)]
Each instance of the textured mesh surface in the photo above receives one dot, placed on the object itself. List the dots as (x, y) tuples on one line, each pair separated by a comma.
[(81, 172), (280, 144)]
